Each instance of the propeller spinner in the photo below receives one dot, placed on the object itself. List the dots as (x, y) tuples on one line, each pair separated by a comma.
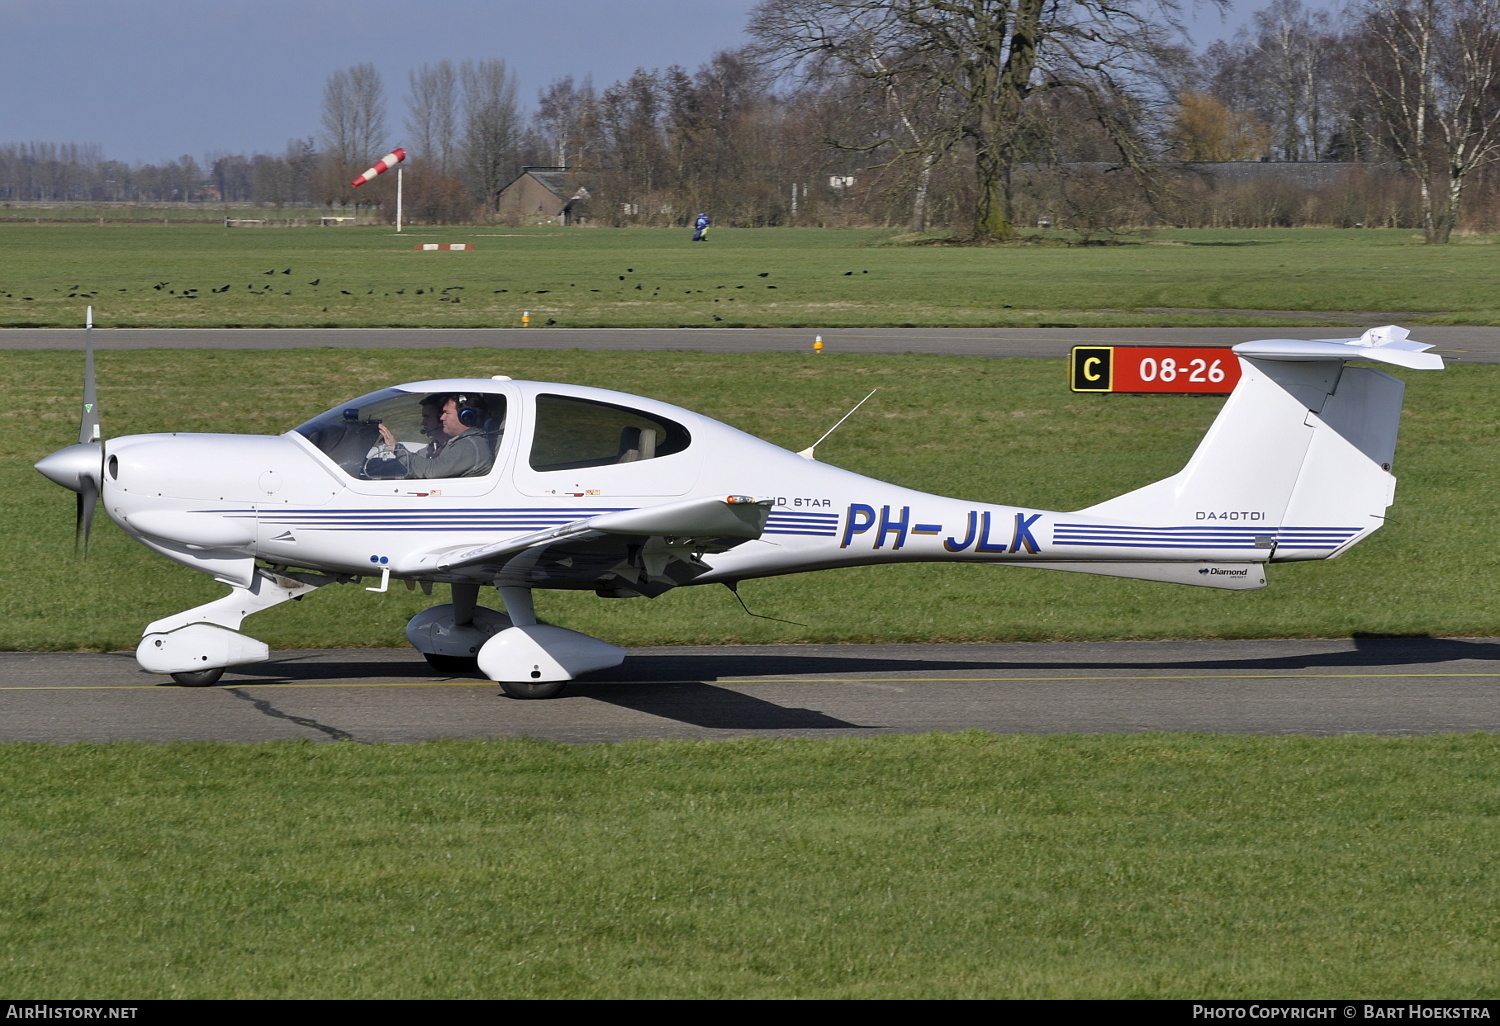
[(80, 467)]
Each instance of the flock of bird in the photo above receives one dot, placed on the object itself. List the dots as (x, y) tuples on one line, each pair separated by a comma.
[(443, 295)]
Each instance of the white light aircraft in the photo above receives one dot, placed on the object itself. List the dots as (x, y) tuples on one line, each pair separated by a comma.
[(560, 486)]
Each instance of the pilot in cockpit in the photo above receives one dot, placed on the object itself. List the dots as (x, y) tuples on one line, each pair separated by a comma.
[(462, 433)]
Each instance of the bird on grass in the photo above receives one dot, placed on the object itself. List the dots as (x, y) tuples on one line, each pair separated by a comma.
[(315, 281)]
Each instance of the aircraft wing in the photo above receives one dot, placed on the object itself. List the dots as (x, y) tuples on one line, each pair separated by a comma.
[(635, 547)]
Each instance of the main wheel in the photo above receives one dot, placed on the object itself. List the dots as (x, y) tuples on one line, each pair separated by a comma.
[(451, 664), (199, 678), (527, 689)]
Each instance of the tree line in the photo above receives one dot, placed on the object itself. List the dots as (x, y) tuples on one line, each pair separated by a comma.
[(978, 116)]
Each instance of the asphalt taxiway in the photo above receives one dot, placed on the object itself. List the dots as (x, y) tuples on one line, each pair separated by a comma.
[(1465, 344), (1400, 686)]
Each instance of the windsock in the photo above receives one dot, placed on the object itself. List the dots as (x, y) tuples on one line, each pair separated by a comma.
[(382, 165)]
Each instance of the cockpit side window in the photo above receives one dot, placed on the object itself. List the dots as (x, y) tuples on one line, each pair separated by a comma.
[(572, 433), (399, 434)]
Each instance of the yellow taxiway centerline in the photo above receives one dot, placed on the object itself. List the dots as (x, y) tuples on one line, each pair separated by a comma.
[(766, 680)]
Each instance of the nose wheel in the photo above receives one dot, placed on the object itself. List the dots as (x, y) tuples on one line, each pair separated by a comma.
[(529, 689), (199, 678)]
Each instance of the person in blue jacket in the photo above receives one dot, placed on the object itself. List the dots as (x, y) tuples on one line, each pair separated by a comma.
[(700, 228)]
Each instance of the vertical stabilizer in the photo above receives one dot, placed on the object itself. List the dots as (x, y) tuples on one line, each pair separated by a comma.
[(1301, 451)]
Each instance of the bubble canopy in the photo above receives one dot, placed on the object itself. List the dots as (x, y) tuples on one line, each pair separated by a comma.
[(349, 433)]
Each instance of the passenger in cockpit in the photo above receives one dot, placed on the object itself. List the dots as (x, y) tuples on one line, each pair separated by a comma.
[(462, 432)]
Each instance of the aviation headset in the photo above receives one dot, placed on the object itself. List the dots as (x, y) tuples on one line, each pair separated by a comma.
[(471, 409)]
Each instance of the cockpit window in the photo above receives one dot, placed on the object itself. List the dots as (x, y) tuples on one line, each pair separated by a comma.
[(397, 434), (573, 433)]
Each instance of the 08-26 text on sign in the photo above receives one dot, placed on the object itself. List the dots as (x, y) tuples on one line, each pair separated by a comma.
[(1190, 370)]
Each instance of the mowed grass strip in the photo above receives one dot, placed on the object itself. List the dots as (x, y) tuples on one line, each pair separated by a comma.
[(969, 865), (1003, 431), (208, 276)]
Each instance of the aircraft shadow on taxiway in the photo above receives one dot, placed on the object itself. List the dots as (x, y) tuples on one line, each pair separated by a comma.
[(682, 688), (697, 667)]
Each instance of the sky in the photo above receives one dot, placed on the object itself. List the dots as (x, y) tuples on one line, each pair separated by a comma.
[(151, 80)]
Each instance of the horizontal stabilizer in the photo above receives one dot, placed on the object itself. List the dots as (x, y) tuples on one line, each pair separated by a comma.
[(1229, 576), (1389, 344)]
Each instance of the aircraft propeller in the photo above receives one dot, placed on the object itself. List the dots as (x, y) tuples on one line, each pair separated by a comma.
[(80, 467)]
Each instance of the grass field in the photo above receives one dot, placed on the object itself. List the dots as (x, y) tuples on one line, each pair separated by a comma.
[(581, 277), (961, 866), (170, 213), (990, 430)]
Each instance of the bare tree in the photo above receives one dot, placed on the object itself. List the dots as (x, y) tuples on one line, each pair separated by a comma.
[(491, 127), (233, 176), (631, 114), (978, 61), (432, 115), (1432, 68), (560, 113), (1281, 70), (353, 126)]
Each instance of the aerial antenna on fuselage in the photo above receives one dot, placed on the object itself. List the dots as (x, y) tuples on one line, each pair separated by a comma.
[(808, 453), (734, 589)]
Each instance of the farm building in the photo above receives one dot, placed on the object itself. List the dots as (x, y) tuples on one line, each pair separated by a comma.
[(544, 195)]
